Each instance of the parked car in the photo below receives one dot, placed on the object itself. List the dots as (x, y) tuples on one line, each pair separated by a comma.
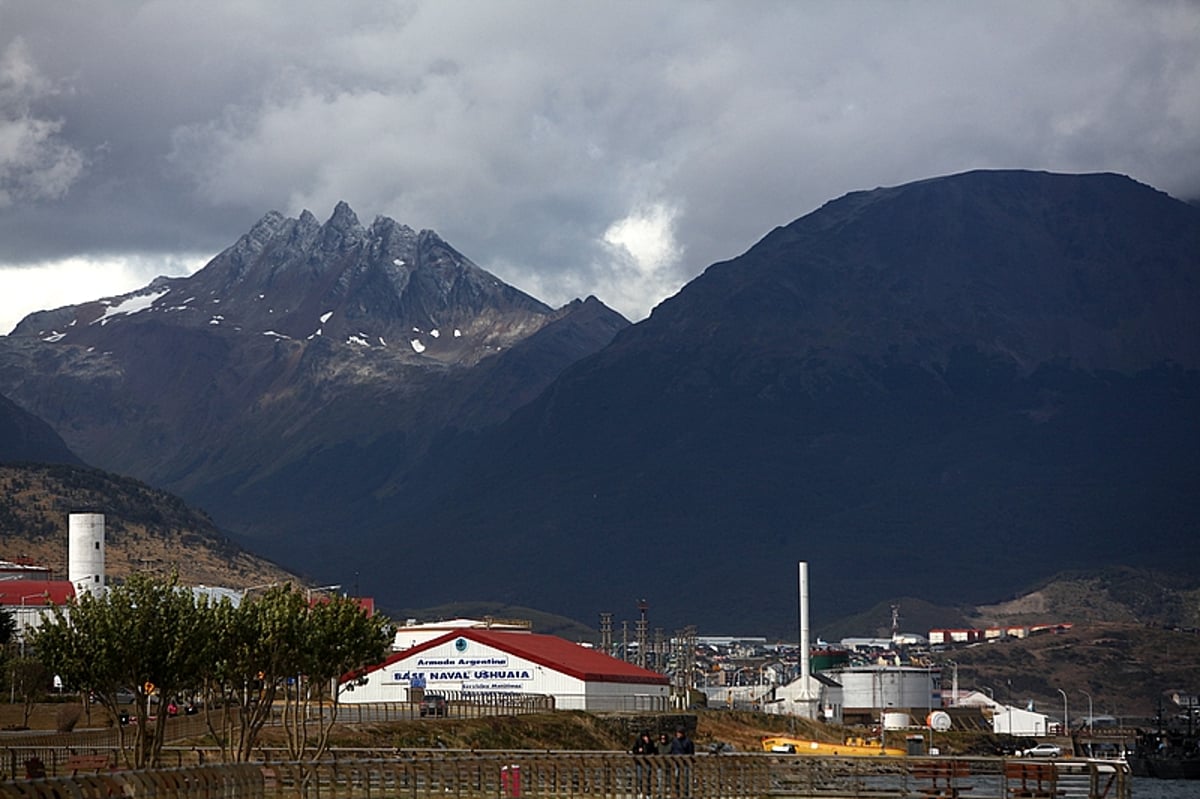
[(433, 705), (1043, 750)]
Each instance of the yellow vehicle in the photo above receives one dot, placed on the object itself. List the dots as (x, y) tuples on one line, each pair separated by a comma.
[(853, 747)]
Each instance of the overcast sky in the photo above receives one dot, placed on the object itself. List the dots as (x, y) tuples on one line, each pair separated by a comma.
[(571, 148)]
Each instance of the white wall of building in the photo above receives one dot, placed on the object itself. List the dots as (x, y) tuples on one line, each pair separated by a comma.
[(413, 634), (617, 696), (471, 667), (1007, 720), (819, 700)]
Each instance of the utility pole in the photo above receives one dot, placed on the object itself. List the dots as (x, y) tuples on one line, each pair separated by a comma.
[(641, 632), (689, 634), (606, 642)]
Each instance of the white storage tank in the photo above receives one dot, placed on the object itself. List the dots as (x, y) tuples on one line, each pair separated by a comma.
[(85, 554), (883, 688), (896, 720)]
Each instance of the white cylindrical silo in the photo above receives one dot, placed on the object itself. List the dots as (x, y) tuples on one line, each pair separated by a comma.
[(85, 555)]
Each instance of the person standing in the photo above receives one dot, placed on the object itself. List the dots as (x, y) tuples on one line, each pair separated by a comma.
[(643, 746), (663, 746), (682, 745)]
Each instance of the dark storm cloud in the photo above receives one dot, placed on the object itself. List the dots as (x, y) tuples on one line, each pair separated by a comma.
[(604, 148)]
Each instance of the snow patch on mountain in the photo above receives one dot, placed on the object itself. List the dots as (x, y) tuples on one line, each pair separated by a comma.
[(129, 305)]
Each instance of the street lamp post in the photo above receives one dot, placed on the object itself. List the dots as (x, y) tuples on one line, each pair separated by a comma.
[(1066, 718), (248, 589), (309, 592), (954, 684), (24, 626), (25, 620), (1090, 718)]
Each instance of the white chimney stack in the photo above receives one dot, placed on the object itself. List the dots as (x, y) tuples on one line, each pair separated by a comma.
[(85, 555), (807, 697), (805, 647)]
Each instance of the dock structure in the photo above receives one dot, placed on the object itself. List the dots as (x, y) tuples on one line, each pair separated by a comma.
[(523, 774)]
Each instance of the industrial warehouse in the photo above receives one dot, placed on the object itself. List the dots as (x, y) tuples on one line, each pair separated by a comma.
[(480, 662)]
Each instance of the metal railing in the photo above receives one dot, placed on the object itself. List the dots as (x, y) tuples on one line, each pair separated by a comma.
[(463, 706)]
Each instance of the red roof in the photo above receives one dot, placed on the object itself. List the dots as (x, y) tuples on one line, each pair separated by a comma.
[(35, 592), (546, 650)]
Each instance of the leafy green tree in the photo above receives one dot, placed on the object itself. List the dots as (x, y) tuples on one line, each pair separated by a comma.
[(8, 627), (140, 636), (253, 650), (339, 637), (8, 633), (278, 651), (275, 652), (31, 680)]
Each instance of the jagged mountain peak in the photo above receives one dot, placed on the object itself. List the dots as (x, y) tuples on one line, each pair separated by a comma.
[(343, 217), (297, 279)]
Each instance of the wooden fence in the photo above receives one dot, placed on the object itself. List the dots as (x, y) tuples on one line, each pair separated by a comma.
[(451, 774), (52, 749), (244, 781)]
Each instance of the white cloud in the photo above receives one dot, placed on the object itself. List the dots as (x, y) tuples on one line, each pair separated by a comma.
[(647, 235), (35, 162), (645, 254), (71, 281), (532, 135)]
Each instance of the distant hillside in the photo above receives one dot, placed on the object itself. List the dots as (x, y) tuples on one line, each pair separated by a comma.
[(26, 438), (1124, 667), (145, 529), (916, 616), (1120, 594)]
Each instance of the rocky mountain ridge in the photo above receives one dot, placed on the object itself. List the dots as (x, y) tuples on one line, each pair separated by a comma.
[(304, 350), (383, 289)]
